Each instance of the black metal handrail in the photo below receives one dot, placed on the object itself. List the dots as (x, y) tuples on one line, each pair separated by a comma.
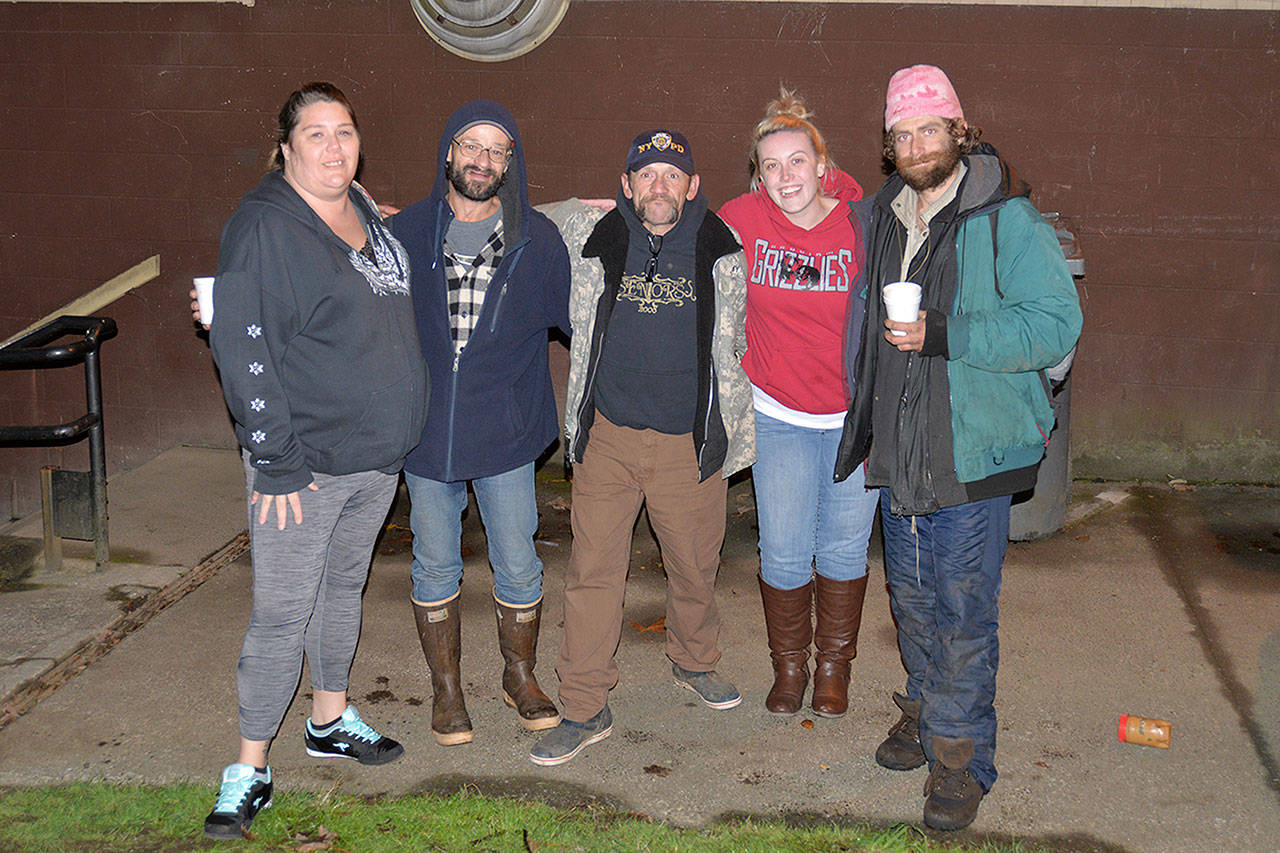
[(31, 352)]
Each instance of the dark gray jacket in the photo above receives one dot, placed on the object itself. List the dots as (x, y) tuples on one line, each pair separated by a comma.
[(320, 372)]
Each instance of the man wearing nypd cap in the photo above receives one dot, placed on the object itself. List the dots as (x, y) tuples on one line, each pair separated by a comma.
[(658, 413), (951, 415)]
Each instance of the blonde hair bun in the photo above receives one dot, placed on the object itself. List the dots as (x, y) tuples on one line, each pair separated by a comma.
[(788, 103), (787, 112)]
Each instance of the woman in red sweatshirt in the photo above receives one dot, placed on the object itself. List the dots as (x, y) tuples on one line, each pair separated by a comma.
[(803, 242)]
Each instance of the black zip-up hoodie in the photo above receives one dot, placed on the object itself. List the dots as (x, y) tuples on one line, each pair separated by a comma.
[(320, 373)]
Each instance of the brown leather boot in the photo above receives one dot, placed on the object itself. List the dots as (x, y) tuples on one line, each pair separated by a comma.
[(953, 794), (901, 750), (788, 621), (440, 631), (839, 616), (518, 640)]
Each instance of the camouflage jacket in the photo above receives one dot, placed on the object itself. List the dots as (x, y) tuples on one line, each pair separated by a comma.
[(576, 222)]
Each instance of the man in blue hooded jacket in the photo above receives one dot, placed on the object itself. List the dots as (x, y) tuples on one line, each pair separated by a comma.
[(490, 276)]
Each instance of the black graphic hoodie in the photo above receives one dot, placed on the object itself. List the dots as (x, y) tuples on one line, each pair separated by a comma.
[(320, 370)]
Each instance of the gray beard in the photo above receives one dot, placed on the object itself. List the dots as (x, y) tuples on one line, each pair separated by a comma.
[(643, 216)]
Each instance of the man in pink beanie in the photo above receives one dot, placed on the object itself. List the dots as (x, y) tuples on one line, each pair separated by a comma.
[(919, 91), (963, 423)]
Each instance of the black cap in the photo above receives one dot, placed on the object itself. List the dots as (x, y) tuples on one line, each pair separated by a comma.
[(660, 146)]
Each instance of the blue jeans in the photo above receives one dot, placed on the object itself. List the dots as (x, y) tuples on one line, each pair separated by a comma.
[(509, 511), (944, 584), (806, 519)]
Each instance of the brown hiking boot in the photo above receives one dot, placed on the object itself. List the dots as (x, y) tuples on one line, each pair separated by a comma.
[(901, 750), (518, 639), (838, 605), (788, 622), (440, 631), (953, 794)]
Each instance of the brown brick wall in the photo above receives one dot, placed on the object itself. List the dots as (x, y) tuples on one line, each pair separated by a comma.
[(130, 130)]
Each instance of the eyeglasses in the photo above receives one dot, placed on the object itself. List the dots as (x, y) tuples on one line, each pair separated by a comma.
[(471, 150), (651, 265)]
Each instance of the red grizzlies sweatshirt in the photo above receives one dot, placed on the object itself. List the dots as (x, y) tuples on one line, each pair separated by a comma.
[(798, 284)]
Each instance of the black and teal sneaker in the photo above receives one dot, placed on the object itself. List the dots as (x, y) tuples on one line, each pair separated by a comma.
[(244, 793), (351, 737)]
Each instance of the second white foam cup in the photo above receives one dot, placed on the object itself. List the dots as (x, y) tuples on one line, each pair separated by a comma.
[(902, 302), (204, 296)]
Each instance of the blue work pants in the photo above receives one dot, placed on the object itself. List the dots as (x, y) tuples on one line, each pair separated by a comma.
[(944, 572)]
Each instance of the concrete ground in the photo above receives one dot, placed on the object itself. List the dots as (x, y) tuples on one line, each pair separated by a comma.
[(1154, 601)]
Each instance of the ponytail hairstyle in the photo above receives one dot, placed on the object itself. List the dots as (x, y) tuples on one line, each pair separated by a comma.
[(311, 93), (788, 112)]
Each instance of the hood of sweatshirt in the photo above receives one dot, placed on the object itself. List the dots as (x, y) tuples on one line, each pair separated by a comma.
[(274, 192), (513, 193), (835, 184)]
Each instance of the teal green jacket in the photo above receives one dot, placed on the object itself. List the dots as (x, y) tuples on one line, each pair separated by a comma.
[(999, 338), (971, 419)]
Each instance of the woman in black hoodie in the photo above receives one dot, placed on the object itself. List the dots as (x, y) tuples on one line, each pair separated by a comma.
[(314, 337)]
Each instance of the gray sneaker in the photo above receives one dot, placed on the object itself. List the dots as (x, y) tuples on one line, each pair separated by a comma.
[(714, 691), (569, 738)]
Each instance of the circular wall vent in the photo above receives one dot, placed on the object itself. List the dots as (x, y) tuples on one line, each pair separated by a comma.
[(489, 30)]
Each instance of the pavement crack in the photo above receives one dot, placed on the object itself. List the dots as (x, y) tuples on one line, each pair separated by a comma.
[(1174, 546)]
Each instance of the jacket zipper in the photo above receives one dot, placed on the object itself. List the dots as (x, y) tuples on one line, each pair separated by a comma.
[(457, 355), (453, 406)]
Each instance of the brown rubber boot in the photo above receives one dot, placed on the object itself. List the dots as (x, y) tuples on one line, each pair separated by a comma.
[(788, 621), (518, 640), (440, 630), (953, 794), (839, 616), (901, 750)]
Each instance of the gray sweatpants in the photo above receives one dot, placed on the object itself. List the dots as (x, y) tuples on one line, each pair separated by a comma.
[(308, 580)]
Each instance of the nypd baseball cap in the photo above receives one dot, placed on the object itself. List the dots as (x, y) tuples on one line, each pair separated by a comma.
[(660, 146)]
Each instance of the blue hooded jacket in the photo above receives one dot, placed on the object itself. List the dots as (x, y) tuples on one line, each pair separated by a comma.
[(492, 408)]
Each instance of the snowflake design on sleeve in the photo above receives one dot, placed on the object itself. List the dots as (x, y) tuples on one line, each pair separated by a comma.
[(257, 404), (258, 436), (253, 330), (255, 368)]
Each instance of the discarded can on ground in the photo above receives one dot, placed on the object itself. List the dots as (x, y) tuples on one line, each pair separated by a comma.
[(1144, 731)]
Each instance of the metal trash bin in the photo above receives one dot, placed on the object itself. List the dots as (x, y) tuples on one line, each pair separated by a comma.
[(1043, 510)]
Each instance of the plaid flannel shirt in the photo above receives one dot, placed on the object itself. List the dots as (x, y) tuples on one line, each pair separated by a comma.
[(468, 279)]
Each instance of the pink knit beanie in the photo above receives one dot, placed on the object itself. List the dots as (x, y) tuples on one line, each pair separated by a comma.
[(921, 90)]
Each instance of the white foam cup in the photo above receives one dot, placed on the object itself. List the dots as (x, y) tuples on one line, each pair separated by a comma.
[(902, 302), (204, 296)]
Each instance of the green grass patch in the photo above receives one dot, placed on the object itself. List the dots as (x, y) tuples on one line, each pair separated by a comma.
[(135, 819)]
